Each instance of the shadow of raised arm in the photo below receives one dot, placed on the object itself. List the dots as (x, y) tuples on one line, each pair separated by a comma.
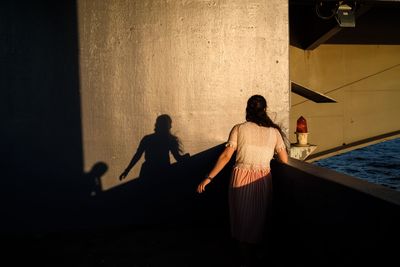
[(134, 160)]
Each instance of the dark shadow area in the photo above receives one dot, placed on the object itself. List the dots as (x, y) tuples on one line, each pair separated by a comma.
[(53, 213), (161, 222), (321, 222), (41, 116), (158, 218), (164, 193)]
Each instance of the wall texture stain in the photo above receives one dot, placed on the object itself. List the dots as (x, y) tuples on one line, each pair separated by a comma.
[(197, 61)]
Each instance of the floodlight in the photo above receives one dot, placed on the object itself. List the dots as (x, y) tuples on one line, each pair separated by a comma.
[(345, 16)]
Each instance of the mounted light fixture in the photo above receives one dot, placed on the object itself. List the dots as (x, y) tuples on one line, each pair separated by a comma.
[(345, 15), (343, 11)]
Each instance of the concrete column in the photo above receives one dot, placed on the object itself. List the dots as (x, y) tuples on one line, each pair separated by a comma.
[(197, 61)]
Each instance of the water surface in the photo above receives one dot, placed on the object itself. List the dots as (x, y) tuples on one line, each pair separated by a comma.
[(379, 163)]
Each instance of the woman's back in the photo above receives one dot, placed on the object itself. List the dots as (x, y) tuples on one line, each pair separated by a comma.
[(255, 145), (251, 181)]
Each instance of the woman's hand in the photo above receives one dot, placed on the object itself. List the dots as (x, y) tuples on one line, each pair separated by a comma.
[(123, 176), (202, 186)]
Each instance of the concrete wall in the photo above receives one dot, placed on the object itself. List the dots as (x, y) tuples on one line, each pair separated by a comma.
[(197, 61), (84, 81), (364, 81)]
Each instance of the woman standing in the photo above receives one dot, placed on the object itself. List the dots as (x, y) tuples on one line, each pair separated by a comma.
[(255, 142)]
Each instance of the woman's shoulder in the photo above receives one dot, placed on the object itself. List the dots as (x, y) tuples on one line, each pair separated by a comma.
[(235, 127), (274, 130), (241, 124)]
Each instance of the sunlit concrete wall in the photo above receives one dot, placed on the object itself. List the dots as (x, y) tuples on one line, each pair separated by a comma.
[(197, 61), (364, 79)]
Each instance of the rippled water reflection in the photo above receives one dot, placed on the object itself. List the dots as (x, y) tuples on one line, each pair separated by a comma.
[(378, 163)]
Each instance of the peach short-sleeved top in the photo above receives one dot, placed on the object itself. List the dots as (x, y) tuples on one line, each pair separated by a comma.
[(255, 145)]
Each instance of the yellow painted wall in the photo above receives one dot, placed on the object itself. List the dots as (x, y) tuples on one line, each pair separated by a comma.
[(365, 81)]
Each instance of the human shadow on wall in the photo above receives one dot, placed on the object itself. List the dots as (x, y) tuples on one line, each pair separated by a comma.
[(165, 193), (156, 148)]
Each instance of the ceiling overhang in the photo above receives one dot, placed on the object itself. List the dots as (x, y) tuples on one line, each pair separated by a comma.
[(376, 22)]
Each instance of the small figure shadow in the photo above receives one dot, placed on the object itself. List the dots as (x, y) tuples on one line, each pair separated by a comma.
[(93, 177), (156, 148)]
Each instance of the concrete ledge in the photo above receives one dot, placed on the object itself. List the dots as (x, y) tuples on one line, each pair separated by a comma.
[(374, 190), (326, 218), (301, 152)]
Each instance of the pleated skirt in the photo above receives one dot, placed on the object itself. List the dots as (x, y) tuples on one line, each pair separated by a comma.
[(250, 195)]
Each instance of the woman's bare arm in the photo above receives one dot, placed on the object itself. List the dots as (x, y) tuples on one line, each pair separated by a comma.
[(283, 156), (223, 159)]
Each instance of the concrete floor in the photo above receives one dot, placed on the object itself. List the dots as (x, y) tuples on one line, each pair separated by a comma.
[(181, 246), (143, 246), (174, 246)]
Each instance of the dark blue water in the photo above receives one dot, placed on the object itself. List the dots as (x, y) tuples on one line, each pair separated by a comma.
[(378, 163)]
